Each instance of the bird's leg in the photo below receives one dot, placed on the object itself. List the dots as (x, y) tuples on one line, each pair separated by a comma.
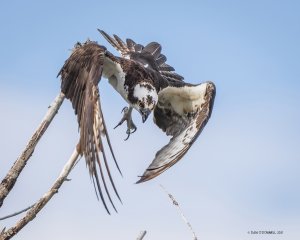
[(131, 128)]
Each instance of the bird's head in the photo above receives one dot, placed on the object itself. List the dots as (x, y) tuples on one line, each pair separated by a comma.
[(146, 99)]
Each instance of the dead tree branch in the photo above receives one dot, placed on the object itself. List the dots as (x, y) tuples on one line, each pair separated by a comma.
[(142, 235), (176, 204), (10, 179), (31, 214)]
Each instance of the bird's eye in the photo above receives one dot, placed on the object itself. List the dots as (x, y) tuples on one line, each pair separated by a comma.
[(141, 104)]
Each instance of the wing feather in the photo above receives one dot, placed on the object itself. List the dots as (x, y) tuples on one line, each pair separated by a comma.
[(121, 44), (80, 76), (185, 129), (153, 48), (111, 40), (161, 59), (130, 44), (171, 76), (149, 56)]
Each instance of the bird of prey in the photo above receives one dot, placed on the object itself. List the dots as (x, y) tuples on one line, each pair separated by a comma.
[(148, 84)]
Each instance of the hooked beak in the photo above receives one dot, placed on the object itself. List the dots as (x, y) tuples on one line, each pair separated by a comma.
[(145, 114)]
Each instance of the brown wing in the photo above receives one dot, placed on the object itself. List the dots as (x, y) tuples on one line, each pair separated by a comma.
[(182, 113), (150, 55), (80, 76)]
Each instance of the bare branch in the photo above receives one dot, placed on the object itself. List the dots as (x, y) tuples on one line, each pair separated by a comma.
[(176, 204), (10, 179), (142, 235), (31, 214), (16, 213)]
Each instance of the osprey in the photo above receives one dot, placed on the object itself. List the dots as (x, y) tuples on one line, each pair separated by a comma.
[(144, 80)]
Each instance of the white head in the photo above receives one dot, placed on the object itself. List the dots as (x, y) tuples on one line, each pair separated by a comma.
[(146, 99)]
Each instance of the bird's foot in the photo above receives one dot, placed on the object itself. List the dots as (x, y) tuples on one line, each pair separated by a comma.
[(131, 128)]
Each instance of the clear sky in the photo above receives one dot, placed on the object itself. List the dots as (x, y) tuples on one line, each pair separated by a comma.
[(242, 173)]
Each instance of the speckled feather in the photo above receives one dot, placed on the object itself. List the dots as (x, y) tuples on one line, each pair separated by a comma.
[(185, 129), (181, 109), (139, 53), (80, 76)]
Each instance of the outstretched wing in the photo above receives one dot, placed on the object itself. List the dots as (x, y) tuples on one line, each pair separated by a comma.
[(181, 112), (149, 56), (80, 76)]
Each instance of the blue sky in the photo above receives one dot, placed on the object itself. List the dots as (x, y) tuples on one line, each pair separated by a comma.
[(242, 173)]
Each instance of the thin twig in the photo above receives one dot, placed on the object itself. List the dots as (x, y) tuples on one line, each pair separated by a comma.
[(176, 204), (142, 235), (31, 214), (16, 213), (10, 179)]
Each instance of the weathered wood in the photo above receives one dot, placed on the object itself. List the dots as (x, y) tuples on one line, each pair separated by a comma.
[(10, 179), (142, 235), (176, 204), (31, 214)]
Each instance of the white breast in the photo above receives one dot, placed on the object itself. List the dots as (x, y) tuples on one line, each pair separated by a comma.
[(115, 75)]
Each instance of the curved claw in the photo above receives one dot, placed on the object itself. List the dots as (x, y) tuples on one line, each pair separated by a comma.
[(128, 135), (120, 123), (135, 128), (127, 117), (129, 132), (125, 109)]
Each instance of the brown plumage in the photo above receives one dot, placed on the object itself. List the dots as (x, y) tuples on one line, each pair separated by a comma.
[(80, 76), (144, 79), (150, 54), (183, 129)]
